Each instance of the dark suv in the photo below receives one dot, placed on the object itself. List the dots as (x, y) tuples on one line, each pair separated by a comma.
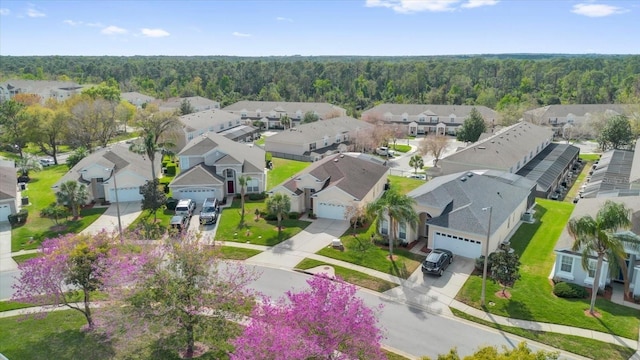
[(437, 261), (209, 212)]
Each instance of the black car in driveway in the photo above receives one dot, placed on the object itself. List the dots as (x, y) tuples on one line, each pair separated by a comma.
[(437, 261)]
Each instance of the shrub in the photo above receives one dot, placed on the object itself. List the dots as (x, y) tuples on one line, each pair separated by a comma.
[(480, 262), (570, 291), (171, 170), (294, 215), (171, 203), (257, 196), (271, 217), (20, 218)]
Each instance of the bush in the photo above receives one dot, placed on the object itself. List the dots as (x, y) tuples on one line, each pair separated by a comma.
[(257, 196), (294, 215), (171, 170), (480, 262), (20, 218), (570, 291), (171, 203), (271, 217)]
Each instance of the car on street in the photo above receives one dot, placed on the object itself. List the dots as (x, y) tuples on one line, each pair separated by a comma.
[(186, 207), (209, 212), (179, 223), (47, 162), (417, 176), (437, 262)]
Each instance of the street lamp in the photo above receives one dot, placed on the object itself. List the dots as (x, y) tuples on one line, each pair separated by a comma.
[(486, 257), (115, 188)]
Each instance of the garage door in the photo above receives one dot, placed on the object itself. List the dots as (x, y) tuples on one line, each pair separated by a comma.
[(458, 245), (125, 194), (197, 195), (5, 211), (330, 211)]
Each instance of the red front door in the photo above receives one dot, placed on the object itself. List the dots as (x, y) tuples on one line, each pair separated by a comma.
[(230, 189)]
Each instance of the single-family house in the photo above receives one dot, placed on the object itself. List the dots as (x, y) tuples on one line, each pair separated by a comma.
[(509, 149), (214, 120), (460, 211), (561, 118), (8, 190), (335, 186), (271, 112), (427, 118), (211, 166), (313, 141), (100, 171), (568, 263), (198, 103), (59, 90), (137, 99)]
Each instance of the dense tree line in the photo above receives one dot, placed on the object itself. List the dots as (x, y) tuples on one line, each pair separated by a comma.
[(505, 83)]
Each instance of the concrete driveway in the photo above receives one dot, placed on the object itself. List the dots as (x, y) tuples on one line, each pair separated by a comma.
[(129, 212)]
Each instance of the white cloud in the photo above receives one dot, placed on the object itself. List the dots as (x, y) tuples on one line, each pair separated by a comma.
[(113, 30), (97, 24), (72, 23), (82, 23), (478, 3), (239, 34), (280, 18), (155, 33), (34, 13), (411, 6), (597, 10), (4, 11)]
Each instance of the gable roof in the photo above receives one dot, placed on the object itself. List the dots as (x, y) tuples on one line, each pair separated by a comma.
[(501, 151), (561, 111), (462, 196), (352, 175), (251, 157), (317, 130), (198, 175), (414, 110), (199, 103), (8, 182), (118, 156), (135, 97), (207, 119), (549, 164), (283, 106)]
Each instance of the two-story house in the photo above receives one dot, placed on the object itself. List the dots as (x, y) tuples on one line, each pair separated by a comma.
[(270, 113)]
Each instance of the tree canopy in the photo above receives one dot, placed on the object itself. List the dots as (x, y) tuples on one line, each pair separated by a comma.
[(472, 127)]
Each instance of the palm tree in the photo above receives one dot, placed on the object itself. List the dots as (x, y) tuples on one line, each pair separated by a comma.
[(26, 164), (72, 194), (416, 162), (602, 236), (279, 204), (242, 181), (398, 208)]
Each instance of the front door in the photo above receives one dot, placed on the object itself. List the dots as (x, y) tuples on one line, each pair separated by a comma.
[(230, 187)]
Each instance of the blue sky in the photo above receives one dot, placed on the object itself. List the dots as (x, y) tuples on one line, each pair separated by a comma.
[(320, 27)]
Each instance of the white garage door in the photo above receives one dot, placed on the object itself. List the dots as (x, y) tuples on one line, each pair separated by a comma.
[(197, 195), (125, 194), (458, 245), (330, 211), (5, 211)]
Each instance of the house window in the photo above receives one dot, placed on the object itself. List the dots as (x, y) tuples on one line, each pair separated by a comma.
[(229, 173), (384, 227), (253, 186), (221, 126), (230, 123), (326, 141), (237, 121), (422, 119), (243, 114), (402, 231), (190, 137), (591, 269), (312, 146), (566, 264)]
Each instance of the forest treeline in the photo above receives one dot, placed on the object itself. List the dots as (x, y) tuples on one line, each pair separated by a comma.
[(356, 83)]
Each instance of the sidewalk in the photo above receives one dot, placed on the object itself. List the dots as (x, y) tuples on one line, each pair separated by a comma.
[(6, 262)]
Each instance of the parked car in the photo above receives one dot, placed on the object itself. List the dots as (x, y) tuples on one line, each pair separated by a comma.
[(437, 261), (47, 162), (186, 207), (209, 212), (417, 176), (180, 223)]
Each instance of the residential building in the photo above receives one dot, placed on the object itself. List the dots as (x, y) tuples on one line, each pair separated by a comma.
[(214, 120), (136, 98), (560, 118), (551, 168), (313, 141), (271, 112), (427, 118), (59, 90), (211, 164), (8, 190), (335, 186), (198, 103)]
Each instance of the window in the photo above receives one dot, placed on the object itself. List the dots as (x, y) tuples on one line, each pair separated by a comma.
[(566, 264), (402, 232), (253, 185), (230, 123), (312, 146), (243, 114), (421, 118), (221, 126), (229, 173), (384, 227), (591, 269)]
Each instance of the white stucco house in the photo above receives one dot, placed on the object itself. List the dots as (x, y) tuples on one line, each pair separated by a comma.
[(568, 263), (332, 187), (454, 211), (211, 164), (102, 170), (8, 190)]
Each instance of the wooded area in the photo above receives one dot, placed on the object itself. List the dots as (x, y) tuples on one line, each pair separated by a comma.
[(356, 83)]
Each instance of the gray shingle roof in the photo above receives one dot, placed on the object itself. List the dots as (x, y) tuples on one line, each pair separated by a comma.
[(611, 173), (549, 164), (8, 183), (136, 97), (252, 157), (413, 110), (502, 151), (283, 106), (316, 131), (561, 111), (462, 196), (207, 119), (634, 175), (199, 103), (197, 175)]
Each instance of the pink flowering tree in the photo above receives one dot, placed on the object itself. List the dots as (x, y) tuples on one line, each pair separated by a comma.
[(189, 293), (326, 321), (71, 268)]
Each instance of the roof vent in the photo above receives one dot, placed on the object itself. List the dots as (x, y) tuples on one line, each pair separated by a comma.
[(341, 155), (463, 179), (469, 174), (335, 160), (482, 147)]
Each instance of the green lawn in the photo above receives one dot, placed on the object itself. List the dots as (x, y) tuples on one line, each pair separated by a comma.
[(532, 297), (237, 253), (589, 348), (260, 141), (401, 148), (351, 276), (590, 157), (255, 231), (403, 184), (573, 192), (22, 258), (361, 251), (282, 170)]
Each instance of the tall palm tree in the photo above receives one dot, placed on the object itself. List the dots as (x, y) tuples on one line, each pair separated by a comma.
[(398, 208), (602, 236), (416, 162), (28, 163), (279, 204), (72, 194), (242, 181)]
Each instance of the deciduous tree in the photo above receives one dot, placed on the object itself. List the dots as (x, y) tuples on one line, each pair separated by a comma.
[(616, 133), (15, 131), (152, 199), (434, 145), (521, 352), (325, 321), (505, 267)]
